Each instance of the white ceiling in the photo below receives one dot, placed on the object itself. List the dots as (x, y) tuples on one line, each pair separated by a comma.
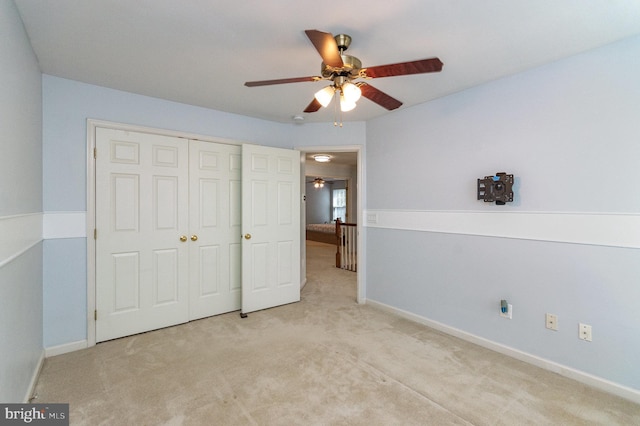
[(201, 52)]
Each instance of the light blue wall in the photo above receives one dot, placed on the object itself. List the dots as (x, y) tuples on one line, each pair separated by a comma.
[(67, 105), (569, 131), (459, 280), (20, 323), (20, 197), (318, 203), (65, 291), (21, 118)]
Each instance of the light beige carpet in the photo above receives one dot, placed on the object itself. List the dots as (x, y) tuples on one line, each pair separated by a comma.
[(323, 361)]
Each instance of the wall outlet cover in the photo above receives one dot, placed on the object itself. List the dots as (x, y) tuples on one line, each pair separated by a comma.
[(509, 313), (584, 332), (551, 322)]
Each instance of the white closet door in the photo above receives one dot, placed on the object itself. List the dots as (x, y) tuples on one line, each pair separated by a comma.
[(169, 215), (214, 222), (271, 227), (141, 215)]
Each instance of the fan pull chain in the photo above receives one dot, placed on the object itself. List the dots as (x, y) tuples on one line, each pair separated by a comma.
[(335, 109)]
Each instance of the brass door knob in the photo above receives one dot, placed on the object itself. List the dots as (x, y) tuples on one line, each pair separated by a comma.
[(194, 238), (247, 236), (183, 238)]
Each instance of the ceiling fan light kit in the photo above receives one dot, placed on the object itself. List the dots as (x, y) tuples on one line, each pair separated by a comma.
[(351, 92), (345, 105), (349, 95), (342, 70), (325, 95)]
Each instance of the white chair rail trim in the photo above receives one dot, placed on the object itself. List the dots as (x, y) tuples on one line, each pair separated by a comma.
[(19, 234), (22, 232), (64, 225), (603, 229)]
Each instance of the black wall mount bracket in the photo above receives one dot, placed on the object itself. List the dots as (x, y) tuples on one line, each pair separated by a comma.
[(498, 188)]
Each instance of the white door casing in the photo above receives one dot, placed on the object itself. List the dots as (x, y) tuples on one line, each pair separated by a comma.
[(141, 213), (271, 205), (214, 228)]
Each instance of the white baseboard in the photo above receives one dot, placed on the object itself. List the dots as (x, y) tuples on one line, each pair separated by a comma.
[(66, 348), (47, 353), (34, 379), (571, 373)]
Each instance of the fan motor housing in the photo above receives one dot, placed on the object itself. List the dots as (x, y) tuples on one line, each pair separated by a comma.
[(350, 67)]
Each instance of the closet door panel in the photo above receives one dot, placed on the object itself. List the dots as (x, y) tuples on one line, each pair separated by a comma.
[(214, 217), (141, 213)]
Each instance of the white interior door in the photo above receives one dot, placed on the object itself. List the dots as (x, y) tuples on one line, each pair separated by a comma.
[(214, 226), (141, 214), (270, 227)]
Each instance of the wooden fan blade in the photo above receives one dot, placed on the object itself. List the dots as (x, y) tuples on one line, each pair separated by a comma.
[(326, 46), (313, 106), (404, 68), (379, 97), (281, 81)]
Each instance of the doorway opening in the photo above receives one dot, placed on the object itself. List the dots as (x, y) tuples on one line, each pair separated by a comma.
[(334, 188)]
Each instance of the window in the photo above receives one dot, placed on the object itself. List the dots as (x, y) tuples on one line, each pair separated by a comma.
[(339, 204)]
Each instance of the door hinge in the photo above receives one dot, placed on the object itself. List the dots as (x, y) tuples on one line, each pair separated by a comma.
[(95, 153), (95, 233), (95, 315)]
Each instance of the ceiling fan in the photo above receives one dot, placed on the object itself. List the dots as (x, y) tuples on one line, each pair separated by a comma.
[(343, 71), (318, 182)]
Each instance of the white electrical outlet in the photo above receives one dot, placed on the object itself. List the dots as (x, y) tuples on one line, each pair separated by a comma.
[(552, 322), (509, 313), (584, 332)]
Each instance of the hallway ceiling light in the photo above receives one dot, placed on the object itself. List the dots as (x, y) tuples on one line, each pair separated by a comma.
[(322, 158)]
